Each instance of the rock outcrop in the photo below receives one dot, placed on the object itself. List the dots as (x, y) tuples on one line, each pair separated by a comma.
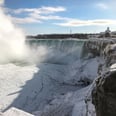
[(96, 46), (104, 92)]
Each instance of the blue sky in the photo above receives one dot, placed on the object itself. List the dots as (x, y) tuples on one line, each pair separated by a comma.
[(59, 16)]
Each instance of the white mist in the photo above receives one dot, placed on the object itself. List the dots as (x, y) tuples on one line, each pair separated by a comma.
[(12, 40), (12, 43)]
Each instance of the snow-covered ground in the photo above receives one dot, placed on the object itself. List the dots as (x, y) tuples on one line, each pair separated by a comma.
[(57, 86), (46, 87)]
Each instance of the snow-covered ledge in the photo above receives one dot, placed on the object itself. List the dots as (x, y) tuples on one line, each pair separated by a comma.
[(15, 112)]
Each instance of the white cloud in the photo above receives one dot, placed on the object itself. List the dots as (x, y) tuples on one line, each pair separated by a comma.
[(103, 6), (25, 20), (47, 17), (36, 15), (109, 5), (42, 10), (39, 15), (77, 23), (38, 19)]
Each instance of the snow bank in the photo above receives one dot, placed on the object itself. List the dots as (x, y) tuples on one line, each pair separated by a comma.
[(57, 86), (72, 103), (16, 112), (33, 88)]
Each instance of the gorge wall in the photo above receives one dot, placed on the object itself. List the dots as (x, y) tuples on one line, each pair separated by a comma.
[(104, 91), (96, 46)]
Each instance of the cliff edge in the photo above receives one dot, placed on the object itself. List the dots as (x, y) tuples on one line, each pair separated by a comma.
[(104, 92)]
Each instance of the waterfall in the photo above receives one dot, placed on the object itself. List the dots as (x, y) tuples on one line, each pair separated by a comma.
[(59, 51)]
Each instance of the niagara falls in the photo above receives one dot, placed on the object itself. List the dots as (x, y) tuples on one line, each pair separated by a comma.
[(57, 58)]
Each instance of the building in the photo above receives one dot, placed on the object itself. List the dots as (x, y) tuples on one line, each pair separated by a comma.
[(105, 34)]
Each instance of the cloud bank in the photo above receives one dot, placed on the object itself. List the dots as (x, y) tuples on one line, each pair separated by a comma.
[(42, 14), (36, 15), (42, 10), (103, 6), (97, 22), (109, 5)]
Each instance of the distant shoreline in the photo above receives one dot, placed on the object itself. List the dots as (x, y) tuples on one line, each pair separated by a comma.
[(61, 36)]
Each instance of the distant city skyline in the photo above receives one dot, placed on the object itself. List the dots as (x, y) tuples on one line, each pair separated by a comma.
[(62, 16)]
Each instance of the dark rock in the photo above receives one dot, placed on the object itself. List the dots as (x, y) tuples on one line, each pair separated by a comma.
[(110, 54), (104, 95)]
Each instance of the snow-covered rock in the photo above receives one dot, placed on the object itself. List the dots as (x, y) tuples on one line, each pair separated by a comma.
[(104, 93)]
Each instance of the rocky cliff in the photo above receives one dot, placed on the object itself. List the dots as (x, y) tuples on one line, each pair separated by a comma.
[(104, 91), (104, 94), (96, 46)]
